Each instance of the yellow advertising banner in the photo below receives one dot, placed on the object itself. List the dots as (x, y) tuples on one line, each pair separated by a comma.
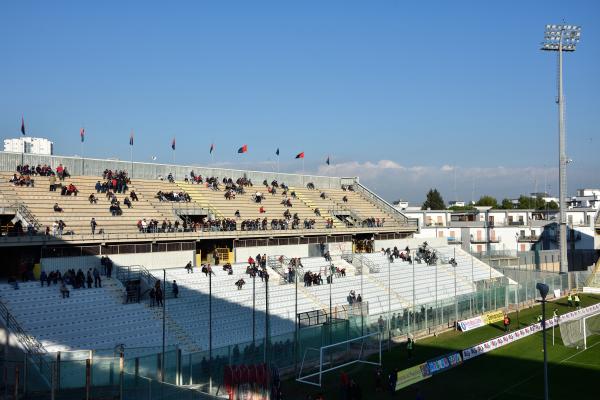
[(411, 375), (493, 317)]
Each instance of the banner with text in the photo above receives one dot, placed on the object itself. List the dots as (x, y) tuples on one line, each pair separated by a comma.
[(481, 320), (411, 376), (503, 340)]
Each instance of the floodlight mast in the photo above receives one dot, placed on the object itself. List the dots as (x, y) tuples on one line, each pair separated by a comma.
[(561, 38)]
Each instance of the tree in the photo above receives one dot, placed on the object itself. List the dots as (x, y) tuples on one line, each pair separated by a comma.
[(487, 201), (526, 202), (507, 204), (552, 205), (434, 201)]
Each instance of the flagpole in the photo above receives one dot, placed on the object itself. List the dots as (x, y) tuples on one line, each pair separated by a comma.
[(302, 165), (82, 138), (131, 160)]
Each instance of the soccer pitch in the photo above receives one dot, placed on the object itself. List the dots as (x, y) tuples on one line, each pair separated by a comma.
[(514, 371)]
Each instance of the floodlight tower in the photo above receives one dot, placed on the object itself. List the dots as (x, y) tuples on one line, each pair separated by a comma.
[(561, 38)]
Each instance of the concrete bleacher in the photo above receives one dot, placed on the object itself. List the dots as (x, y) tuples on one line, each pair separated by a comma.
[(357, 203), (249, 209), (98, 319), (88, 319), (147, 189), (77, 210)]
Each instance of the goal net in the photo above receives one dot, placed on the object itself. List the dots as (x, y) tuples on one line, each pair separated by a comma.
[(575, 332), (317, 361)]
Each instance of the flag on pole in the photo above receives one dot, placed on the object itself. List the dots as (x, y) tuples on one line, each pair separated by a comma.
[(327, 161), (212, 148), (23, 125), (277, 152), (131, 138), (300, 155), (82, 134), (243, 149), (173, 144)]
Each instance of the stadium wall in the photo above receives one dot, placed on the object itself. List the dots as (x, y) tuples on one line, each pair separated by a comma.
[(139, 170), (169, 259), (294, 250)]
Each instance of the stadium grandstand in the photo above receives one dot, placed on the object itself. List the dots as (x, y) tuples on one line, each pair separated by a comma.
[(126, 277)]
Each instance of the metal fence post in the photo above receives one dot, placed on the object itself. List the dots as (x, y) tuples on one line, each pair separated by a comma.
[(121, 374), (88, 376), (16, 389)]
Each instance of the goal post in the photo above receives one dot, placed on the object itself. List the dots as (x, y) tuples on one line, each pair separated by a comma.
[(318, 361), (575, 332)]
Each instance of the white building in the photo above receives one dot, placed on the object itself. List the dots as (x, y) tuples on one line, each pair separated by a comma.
[(484, 229), (585, 198), (31, 145)]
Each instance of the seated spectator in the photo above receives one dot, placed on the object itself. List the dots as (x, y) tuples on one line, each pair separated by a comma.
[(261, 210), (115, 209), (133, 196), (237, 214), (170, 178), (345, 199), (93, 199), (310, 186), (98, 187), (72, 190), (258, 197), (317, 212), (57, 208), (127, 202), (323, 195)]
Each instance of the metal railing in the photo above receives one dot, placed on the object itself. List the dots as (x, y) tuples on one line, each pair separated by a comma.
[(27, 215), (339, 209), (279, 264), (358, 260), (136, 236), (34, 349), (390, 209)]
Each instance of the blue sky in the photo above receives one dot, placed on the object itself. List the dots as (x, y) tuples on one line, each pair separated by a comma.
[(396, 92)]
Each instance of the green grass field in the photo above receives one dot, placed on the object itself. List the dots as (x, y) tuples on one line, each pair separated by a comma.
[(514, 371)]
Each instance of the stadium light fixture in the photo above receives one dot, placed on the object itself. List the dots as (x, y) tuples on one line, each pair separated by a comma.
[(561, 38), (544, 289)]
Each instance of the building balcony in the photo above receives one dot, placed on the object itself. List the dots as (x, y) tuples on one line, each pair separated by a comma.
[(467, 224), (515, 223), (528, 238)]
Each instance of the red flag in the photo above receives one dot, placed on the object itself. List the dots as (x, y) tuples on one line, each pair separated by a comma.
[(300, 155), (243, 149), (82, 134)]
